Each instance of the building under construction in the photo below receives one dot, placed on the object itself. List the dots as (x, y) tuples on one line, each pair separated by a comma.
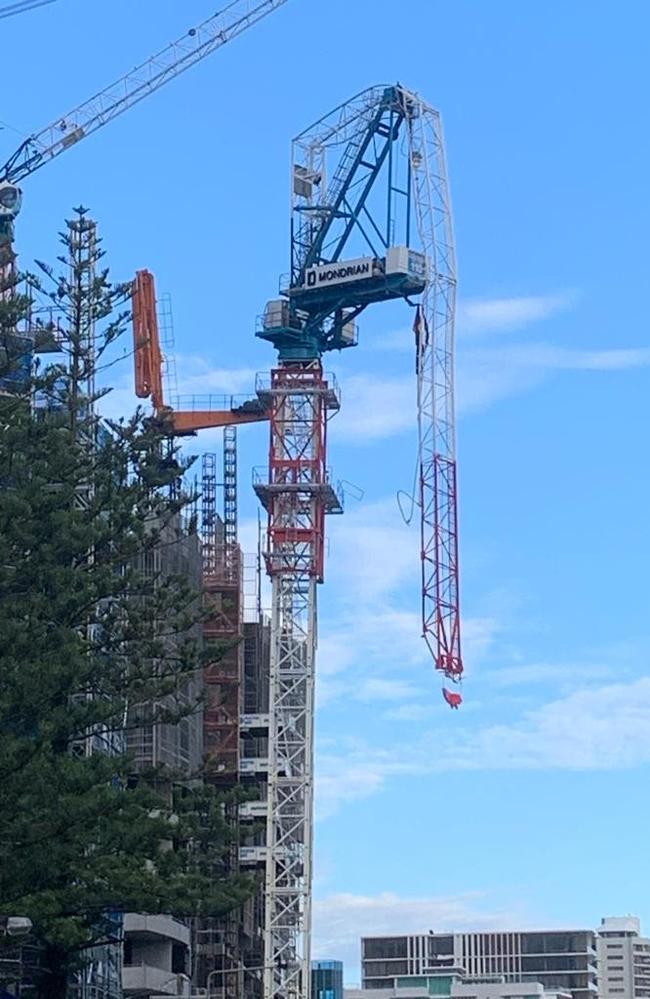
[(229, 953)]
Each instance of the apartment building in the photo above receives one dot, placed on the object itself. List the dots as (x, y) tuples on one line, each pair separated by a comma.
[(561, 961), (623, 959)]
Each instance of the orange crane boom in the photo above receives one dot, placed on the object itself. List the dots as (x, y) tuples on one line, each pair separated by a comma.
[(148, 362)]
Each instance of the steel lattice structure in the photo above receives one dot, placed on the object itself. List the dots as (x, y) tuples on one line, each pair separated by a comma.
[(436, 410), (385, 196), (297, 497)]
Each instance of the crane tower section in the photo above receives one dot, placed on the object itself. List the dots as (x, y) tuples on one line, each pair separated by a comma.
[(370, 223)]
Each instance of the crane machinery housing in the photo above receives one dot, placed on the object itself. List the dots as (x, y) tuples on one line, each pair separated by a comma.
[(370, 222)]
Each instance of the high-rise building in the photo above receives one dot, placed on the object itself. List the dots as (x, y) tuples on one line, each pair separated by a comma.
[(327, 980), (561, 960), (623, 959)]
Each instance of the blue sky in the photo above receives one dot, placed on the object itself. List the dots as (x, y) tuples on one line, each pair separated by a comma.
[(529, 805)]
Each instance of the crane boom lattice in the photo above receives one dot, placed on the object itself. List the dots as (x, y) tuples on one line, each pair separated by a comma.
[(435, 386), (134, 86)]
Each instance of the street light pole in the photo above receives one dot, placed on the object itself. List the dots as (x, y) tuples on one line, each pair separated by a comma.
[(239, 968)]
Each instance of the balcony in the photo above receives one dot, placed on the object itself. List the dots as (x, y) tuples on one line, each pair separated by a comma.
[(138, 925), (252, 856), (251, 810), (256, 724), (252, 765), (144, 980)]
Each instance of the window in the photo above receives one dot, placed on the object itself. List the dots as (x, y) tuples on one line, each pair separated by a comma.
[(385, 947), (556, 943), (385, 969), (440, 945), (179, 959)]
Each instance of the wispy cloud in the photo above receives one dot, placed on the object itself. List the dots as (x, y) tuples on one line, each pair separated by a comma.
[(490, 374), (383, 689), (551, 673), (501, 315), (378, 407), (375, 407), (197, 376), (489, 315), (342, 919), (602, 728)]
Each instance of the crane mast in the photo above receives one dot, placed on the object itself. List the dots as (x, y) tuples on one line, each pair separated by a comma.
[(370, 223)]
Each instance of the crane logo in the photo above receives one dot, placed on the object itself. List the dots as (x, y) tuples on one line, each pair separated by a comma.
[(338, 273)]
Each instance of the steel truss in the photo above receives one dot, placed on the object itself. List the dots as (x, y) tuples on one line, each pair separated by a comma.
[(297, 497), (435, 386)]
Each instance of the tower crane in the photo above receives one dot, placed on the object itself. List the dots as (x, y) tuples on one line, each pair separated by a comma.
[(371, 222), (67, 131)]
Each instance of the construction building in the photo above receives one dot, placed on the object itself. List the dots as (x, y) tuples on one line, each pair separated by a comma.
[(229, 951), (157, 956), (559, 960), (623, 959)]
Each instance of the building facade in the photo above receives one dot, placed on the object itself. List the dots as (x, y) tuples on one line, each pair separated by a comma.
[(561, 961), (327, 980), (453, 986), (623, 959)]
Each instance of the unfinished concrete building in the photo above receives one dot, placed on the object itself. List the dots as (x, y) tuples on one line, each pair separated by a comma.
[(157, 957), (235, 733)]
